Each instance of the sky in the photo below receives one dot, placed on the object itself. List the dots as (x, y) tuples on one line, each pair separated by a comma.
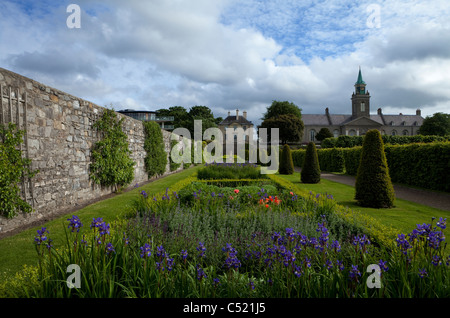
[(230, 54)]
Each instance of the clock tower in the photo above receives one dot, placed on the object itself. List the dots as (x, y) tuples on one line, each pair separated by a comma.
[(360, 99)]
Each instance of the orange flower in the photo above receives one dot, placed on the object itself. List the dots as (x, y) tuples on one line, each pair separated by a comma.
[(231, 198), (267, 205), (236, 191), (261, 201), (291, 193)]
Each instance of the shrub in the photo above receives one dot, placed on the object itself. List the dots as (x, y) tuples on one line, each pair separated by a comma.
[(111, 163), (331, 160), (156, 160), (373, 184), (310, 170), (286, 163), (13, 167), (351, 160)]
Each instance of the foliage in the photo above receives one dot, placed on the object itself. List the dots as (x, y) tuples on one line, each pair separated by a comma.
[(373, 184), (278, 108), (331, 160), (438, 124), (111, 163), (216, 171), (286, 163), (156, 159), (13, 168), (323, 133), (290, 127), (310, 170), (173, 165)]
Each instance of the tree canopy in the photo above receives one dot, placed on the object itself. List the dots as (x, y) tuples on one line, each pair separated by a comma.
[(438, 124), (282, 108)]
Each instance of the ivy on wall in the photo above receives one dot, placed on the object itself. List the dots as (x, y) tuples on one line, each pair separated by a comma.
[(13, 167), (111, 162), (156, 160)]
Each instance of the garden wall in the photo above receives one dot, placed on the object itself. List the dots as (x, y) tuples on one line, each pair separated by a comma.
[(59, 136)]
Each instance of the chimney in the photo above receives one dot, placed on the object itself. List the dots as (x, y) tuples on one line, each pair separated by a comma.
[(237, 114), (326, 111), (245, 114), (379, 111), (418, 112)]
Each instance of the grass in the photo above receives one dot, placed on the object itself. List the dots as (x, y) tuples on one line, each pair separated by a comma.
[(19, 250), (403, 217)]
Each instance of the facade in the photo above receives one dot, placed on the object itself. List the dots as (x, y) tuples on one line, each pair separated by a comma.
[(235, 122), (360, 121), (145, 115)]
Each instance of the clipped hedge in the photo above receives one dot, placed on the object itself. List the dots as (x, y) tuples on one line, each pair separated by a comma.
[(353, 141)]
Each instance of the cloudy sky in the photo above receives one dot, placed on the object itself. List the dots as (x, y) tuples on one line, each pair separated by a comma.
[(229, 54)]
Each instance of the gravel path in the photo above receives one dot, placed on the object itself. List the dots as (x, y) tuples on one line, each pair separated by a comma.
[(438, 200)]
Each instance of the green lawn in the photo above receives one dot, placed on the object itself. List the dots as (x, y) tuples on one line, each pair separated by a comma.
[(19, 250), (404, 216)]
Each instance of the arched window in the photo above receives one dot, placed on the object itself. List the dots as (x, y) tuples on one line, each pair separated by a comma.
[(363, 106), (405, 132), (335, 133), (394, 132), (312, 135), (352, 132)]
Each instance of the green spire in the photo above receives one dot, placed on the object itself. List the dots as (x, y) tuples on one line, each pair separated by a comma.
[(360, 79)]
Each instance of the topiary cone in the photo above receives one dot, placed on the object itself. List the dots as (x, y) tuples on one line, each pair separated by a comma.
[(373, 184), (286, 163), (311, 170)]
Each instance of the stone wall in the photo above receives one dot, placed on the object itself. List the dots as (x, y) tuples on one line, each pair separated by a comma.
[(59, 138)]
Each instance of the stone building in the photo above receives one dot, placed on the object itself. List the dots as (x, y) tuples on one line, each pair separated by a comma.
[(148, 115), (360, 121), (235, 122)]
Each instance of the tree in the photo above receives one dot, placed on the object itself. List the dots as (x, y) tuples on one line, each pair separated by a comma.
[(290, 127), (286, 163), (323, 133), (282, 108), (373, 184), (156, 160), (438, 124), (311, 170)]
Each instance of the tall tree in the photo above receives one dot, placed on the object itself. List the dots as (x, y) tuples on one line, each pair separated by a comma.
[(438, 124), (282, 108), (323, 133), (290, 127)]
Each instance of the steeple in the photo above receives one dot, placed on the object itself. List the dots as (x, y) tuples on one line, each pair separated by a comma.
[(360, 98), (360, 79)]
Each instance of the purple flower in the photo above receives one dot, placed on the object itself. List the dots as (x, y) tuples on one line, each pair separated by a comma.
[(442, 223), (110, 248), (340, 265), (298, 271), (41, 237), (423, 273), (336, 246), (160, 252), (146, 251), (201, 248), (75, 223), (200, 273), (383, 266), (184, 254), (329, 264), (144, 194), (436, 260), (354, 273)]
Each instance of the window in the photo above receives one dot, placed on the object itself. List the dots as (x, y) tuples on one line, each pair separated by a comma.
[(352, 132), (312, 135), (405, 133), (363, 107), (335, 133), (394, 132), (245, 128)]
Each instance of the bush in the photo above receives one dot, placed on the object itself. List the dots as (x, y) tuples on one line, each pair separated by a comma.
[(351, 160), (331, 160), (310, 170), (111, 163), (13, 167), (373, 184), (353, 141), (156, 160), (286, 163)]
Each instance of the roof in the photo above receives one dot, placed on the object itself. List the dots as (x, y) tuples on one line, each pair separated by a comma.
[(339, 120), (232, 119), (360, 79), (135, 111)]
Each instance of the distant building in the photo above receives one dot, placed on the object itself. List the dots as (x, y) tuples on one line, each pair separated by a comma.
[(235, 122), (360, 121), (145, 115)]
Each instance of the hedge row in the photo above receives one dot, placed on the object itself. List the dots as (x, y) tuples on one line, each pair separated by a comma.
[(422, 165), (353, 141)]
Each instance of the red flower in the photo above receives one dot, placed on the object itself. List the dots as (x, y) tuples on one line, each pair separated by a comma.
[(236, 191)]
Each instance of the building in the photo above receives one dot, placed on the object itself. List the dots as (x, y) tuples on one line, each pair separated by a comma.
[(360, 121), (235, 122), (145, 115)]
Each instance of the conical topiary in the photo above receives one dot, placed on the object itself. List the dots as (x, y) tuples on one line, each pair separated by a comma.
[(373, 184), (286, 163), (310, 170)]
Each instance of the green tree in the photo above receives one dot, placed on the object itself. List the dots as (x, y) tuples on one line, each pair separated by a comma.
[(13, 167), (438, 124), (290, 127), (373, 184), (111, 162), (323, 133), (282, 108), (310, 170), (156, 160), (286, 163)]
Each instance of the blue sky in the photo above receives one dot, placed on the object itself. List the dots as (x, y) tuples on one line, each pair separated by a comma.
[(229, 54)]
